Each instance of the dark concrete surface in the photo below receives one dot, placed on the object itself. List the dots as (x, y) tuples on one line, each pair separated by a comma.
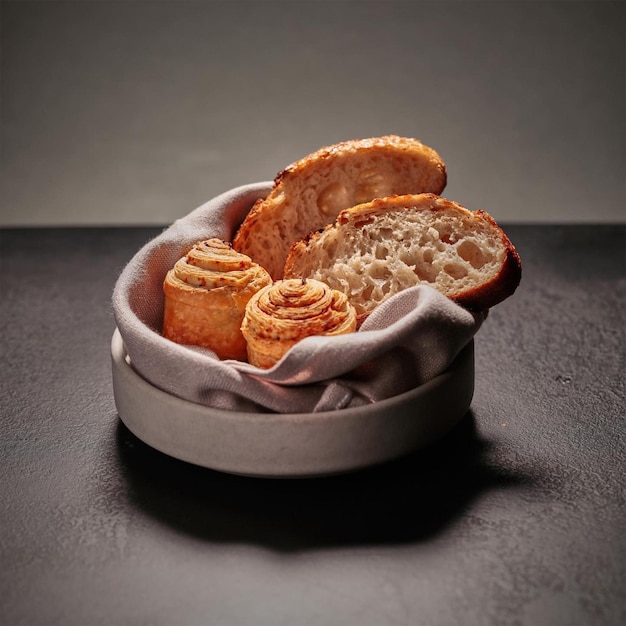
[(516, 518)]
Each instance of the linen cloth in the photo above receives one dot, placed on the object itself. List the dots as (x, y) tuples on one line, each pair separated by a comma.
[(406, 341)]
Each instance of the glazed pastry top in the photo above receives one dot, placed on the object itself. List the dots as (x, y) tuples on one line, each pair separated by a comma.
[(290, 310), (212, 264)]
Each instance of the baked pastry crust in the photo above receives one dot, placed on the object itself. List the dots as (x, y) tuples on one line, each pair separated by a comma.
[(309, 194), (206, 293), (376, 249), (280, 315)]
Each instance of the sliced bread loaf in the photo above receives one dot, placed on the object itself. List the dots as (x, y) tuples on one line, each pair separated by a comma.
[(310, 193), (377, 249)]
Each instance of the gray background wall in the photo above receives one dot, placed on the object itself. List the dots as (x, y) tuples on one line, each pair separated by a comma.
[(136, 112)]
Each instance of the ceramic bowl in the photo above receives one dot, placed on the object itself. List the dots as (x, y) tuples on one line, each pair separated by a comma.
[(291, 445)]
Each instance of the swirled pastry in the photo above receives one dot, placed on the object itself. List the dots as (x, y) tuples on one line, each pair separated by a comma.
[(206, 293), (280, 315)]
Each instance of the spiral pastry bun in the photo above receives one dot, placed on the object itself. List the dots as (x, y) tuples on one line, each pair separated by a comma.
[(206, 293), (281, 314)]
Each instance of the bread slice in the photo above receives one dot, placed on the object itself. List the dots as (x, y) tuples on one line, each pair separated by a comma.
[(310, 193), (377, 249)]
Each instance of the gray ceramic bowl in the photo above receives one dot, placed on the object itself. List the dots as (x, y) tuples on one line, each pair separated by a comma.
[(291, 445)]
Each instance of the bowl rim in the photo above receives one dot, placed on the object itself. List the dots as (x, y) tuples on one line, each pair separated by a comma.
[(119, 354), (292, 445)]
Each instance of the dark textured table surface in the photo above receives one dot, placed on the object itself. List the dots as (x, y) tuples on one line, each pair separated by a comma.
[(515, 518)]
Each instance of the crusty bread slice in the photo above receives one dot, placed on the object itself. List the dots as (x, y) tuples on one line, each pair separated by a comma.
[(310, 193), (377, 249)]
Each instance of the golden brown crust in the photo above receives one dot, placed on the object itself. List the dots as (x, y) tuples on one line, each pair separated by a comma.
[(280, 315), (308, 194), (501, 286), (334, 253), (206, 293), (387, 146)]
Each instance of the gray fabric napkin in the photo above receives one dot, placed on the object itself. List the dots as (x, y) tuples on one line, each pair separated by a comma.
[(405, 342)]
